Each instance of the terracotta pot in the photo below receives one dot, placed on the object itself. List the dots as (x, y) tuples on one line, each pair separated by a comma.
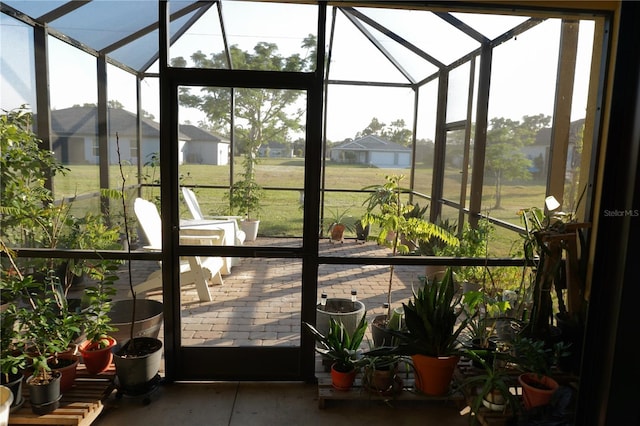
[(69, 366), (342, 380), (536, 390), (434, 374), (337, 232), (96, 360)]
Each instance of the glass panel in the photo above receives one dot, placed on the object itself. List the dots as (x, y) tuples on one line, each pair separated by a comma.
[(458, 93), (17, 79), (98, 24), (205, 35), (264, 155), (521, 104), (454, 155), (258, 305), (426, 31), (491, 26), (74, 119), (368, 65), (426, 129), (35, 8), (255, 31), (525, 86), (416, 66)]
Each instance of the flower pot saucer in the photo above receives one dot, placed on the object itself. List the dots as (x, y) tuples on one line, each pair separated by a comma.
[(143, 391), (42, 409)]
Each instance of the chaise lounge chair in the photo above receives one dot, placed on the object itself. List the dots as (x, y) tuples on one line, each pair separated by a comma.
[(193, 269)]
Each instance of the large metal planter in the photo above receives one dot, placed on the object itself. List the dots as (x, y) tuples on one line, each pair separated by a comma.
[(147, 323)]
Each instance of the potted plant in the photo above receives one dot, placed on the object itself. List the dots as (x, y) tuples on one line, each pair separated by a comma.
[(490, 387), (483, 311), (434, 246), (380, 373), (474, 243), (30, 217), (348, 312), (12, 357), (551, 243), (338, 224), (245, 196), (96, 349), (342, 348), (37, 323), (433, 325), (386, 210), (535, 359)]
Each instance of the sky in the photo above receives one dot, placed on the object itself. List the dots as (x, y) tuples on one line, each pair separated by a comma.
[(522, 69)]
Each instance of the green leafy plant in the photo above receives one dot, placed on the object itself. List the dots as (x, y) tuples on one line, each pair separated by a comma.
[(433, 324), (29, 215), (536, 356), (38, 323), (386, 209), (340, 346), (482, 311), (98, 298), (492, 381), (246, 194), (474, 242), (339, 217)]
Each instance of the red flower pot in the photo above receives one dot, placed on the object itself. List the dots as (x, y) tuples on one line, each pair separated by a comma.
[(95, 358), (434, 374), (536, 390), (67, 366), (342, 380)]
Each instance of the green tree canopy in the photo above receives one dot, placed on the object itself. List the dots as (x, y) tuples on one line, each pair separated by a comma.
[(504, 158), (395, 132), (261, 115)]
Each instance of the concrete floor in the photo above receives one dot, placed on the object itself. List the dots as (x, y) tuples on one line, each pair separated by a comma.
[(269, 404)]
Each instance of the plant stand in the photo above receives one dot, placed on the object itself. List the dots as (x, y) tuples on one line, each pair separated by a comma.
[(79, 406), (487, 417), (403, 390)]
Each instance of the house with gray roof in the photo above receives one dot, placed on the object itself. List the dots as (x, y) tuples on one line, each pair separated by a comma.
[(274, 149), (75, 140), (372, 150), (204, 147)]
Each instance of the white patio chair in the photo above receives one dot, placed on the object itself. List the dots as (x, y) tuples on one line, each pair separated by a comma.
[(193, 269), (194, 208)]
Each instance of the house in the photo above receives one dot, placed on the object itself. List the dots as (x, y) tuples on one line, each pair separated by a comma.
[(538, 152), (75, 140), (275, 150), (372, 150), (204, 147)]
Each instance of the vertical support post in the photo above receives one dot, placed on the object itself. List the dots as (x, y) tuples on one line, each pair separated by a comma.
[(561, 126), (480, 138)]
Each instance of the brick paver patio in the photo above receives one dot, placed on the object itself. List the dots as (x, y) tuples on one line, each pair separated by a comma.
[(259, 302)]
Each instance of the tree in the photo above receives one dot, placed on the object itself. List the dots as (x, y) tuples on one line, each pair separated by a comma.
[(504, 157), (398, 133), (395, 132), (374, 128), (261, 115)]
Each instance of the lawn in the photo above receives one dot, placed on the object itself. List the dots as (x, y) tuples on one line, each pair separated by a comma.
[(283, 179)]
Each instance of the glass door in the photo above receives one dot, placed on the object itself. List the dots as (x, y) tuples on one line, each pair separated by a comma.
[(240, 234)]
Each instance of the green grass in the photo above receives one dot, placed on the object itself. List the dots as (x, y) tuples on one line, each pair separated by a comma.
[(282, 214)]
